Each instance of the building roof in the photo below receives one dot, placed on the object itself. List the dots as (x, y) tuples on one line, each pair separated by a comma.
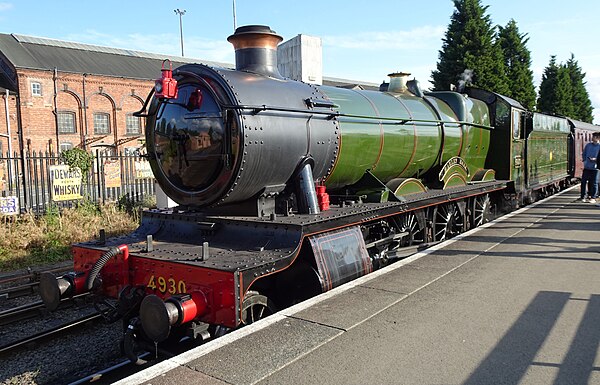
[(44, 54), (28, 52)]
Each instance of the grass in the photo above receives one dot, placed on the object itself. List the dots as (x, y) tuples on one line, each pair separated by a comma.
[(27, 240)]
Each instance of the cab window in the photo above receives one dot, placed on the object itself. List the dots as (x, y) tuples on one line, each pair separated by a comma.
[(516, 121)]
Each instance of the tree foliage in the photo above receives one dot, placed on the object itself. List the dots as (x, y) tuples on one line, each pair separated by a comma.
[(582, 105), (76, 157), (548, 97), (473, 54), (517, 63), (563, 92), (469, 48)]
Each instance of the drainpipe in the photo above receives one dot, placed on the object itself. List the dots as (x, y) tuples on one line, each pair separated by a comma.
[(85, 121), (7, 135), (115, 133), (22, 148), (54, 79)]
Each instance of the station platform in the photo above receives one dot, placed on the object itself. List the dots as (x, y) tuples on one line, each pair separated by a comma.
[(516, 301)]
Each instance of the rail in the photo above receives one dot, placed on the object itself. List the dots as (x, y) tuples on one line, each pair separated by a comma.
[(53, 332)]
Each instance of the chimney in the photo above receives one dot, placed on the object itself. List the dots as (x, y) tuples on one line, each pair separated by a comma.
[(256, 49), (398, 81)]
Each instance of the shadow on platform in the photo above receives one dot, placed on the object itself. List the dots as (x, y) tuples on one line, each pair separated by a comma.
[(509, 361)]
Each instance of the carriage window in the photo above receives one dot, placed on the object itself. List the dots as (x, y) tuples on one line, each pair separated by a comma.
[(516, 121)]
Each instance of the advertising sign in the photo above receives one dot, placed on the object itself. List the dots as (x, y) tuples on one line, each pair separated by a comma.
[(9, 205), (66, 183), (143, 170), (112, 173)]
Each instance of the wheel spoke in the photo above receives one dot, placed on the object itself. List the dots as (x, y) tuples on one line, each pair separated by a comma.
[(410, 225), (255, 307), (448, 221), (481, 210)]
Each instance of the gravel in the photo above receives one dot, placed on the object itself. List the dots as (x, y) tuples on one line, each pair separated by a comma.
[(91, 348), (95, 348)]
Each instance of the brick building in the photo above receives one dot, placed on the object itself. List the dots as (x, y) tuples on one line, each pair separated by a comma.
[(58, 95)]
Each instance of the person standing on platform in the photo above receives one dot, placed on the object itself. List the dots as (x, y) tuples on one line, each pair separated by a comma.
[(589, 178)]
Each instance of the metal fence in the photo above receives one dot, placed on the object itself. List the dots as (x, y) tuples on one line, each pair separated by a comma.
[(27, 180)]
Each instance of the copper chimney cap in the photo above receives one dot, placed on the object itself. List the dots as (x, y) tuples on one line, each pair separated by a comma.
[(254, 36), (256, 49)]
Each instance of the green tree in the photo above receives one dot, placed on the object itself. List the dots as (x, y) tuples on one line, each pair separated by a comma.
[(469, 49), (547, 96), (582, 105), (517, 62), (564, 93), (556, 94)]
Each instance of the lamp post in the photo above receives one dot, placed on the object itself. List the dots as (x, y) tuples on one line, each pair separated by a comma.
[(234, 17), (180, 12)]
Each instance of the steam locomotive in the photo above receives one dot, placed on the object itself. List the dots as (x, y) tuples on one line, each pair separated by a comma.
[(287, 189)]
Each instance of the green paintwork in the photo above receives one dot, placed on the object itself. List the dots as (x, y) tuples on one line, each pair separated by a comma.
[(476, 139), (475, 130), (371, 189), (385, 146), (454, 173), (406, 186), (453, 132), (455, 180), (484, 175), (547, 156), (517, 164)]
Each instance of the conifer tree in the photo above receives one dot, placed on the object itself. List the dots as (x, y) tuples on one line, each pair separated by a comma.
[(564, 93), (517, 62), (556, 91), (547, 97), (582, 105), (469, 46)]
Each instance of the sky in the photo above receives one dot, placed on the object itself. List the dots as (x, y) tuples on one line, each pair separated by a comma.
[(362, 40)]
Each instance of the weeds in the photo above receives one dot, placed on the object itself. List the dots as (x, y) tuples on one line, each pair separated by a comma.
[(27, 240)]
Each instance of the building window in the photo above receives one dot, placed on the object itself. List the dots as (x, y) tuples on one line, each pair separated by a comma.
[(66, 122), (64, 146), (101, 123), (132, 125), (36, 89)]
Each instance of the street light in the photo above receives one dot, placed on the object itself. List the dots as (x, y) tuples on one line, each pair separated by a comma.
[(234, 21), (180, 12)]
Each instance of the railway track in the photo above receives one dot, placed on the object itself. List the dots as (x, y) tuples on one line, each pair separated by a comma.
[(13, 286), (35, 309), (18, 291), (110, 374), (54, 332), (21, 313)]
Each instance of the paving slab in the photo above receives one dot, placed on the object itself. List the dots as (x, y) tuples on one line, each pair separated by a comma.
[(351, 308), (185, 375), (259, 354)]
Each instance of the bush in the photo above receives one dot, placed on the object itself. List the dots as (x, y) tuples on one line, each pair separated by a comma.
[(76, 157)]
